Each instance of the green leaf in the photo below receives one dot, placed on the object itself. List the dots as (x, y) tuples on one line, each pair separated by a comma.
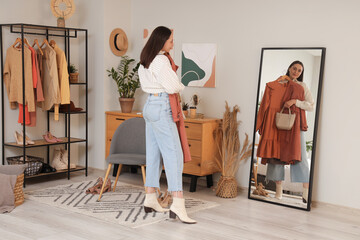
[(126, 76)]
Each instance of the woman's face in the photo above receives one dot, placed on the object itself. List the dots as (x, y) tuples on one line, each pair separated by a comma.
[(295, 71), (169, 44)]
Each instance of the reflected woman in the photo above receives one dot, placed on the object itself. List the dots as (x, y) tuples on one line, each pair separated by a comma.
[(300, 171)]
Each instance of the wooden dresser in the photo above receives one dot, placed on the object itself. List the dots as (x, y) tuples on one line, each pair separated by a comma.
[(201, 138)]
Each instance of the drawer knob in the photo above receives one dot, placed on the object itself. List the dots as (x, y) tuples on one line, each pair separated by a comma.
[(189, 145), (186, 126), (120, 119)]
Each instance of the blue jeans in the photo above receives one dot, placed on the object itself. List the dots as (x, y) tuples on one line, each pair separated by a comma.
[(299, 172), (162, 137)]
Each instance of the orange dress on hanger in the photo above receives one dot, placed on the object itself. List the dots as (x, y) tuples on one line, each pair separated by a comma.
[(290, 141), (284, 145), (269, 144)]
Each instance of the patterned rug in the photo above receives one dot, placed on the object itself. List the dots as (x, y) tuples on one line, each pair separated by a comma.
[(124, 206)]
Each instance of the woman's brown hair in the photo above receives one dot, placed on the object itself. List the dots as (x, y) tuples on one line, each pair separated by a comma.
[(153, 46), (300, 78)]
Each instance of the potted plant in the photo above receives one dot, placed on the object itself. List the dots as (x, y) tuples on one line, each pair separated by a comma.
[(231, 152), (185, 107), (195, 100), (74, 75), (127, 80)]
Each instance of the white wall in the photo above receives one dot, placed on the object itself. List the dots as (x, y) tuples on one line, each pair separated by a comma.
[(241, 29)]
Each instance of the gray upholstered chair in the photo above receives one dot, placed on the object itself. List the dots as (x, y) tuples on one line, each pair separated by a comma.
[(127, 147)]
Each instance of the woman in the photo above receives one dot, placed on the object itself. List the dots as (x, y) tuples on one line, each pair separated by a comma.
[(299, 171), (159, 80)]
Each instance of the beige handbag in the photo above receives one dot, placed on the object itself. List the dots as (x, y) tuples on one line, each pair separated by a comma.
[(284, 121)]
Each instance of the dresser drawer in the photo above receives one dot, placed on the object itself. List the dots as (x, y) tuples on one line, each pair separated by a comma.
[(193, 167), (195, 148), (193, 130)]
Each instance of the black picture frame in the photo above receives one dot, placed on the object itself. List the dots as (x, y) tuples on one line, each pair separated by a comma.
[(316, 121)]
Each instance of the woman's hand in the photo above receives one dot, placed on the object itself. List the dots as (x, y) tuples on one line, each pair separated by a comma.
[(289, 103)]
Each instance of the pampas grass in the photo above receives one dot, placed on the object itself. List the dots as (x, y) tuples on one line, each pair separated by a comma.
[(229, 147)]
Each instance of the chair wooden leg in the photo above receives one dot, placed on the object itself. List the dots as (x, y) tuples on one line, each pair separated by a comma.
[(105, 180), (143, 173), (117, 176)]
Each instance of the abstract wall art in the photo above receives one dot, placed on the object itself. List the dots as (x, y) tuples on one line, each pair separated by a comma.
[(198, 64)]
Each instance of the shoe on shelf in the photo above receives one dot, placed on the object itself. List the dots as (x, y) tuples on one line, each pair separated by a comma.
[(48, 137), (64, 158), (56, 161), (19, 138), (28, 140)]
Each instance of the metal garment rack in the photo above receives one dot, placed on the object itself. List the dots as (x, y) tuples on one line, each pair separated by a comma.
[(47, 31)]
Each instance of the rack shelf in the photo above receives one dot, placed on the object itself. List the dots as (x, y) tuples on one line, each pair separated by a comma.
[(57, 172), (42, 143), (66, 34)]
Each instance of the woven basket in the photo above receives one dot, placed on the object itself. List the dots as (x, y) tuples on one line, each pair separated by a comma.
[(34, 164), (227, 187), (18, 190)]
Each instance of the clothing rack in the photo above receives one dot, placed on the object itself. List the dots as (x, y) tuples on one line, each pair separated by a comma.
[(47, 31)]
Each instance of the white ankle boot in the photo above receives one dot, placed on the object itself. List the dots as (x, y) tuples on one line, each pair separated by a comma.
[(279, 191), (151, 204), (178, 209)]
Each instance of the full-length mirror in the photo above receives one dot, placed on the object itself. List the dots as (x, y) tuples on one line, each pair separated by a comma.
[(288, 102)]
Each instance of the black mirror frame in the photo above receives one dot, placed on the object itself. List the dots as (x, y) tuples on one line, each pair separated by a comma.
[(318, 100)]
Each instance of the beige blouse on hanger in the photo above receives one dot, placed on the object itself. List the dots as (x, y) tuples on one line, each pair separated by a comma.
[(13, 78)]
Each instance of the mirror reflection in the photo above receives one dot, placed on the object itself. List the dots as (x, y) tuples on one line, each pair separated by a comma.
[(289, 83)]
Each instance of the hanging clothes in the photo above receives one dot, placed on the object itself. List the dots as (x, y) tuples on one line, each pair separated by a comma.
[(290, 141), (63, 74), (32, 115), (50, 81), (280, 145), (269, 144), (13, 78)]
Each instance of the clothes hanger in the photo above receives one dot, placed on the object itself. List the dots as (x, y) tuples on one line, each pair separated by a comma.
[(36, 42), (283, 79), (44, 42), (18, 40)]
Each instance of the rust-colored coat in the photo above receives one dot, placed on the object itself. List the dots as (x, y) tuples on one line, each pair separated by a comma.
[(290, 141), (283, 145), (178, 118)]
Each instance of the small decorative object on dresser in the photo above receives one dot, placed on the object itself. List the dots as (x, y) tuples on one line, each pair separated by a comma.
[(230, 154), (195, 100), (127, 82), (74, 75), (185, 108)]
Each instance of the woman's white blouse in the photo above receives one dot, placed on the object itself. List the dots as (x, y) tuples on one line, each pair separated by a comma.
[(159, 77), (308, 104)]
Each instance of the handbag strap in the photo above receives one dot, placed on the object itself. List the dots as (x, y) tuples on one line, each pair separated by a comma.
[(283, 110)]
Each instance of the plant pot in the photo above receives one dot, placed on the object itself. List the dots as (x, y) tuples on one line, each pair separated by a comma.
[(126, 104), (227, 187), (74, 77), (192, 112), (186, 113)]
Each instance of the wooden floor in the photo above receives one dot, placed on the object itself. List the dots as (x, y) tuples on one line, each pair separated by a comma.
[(238, 218)]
